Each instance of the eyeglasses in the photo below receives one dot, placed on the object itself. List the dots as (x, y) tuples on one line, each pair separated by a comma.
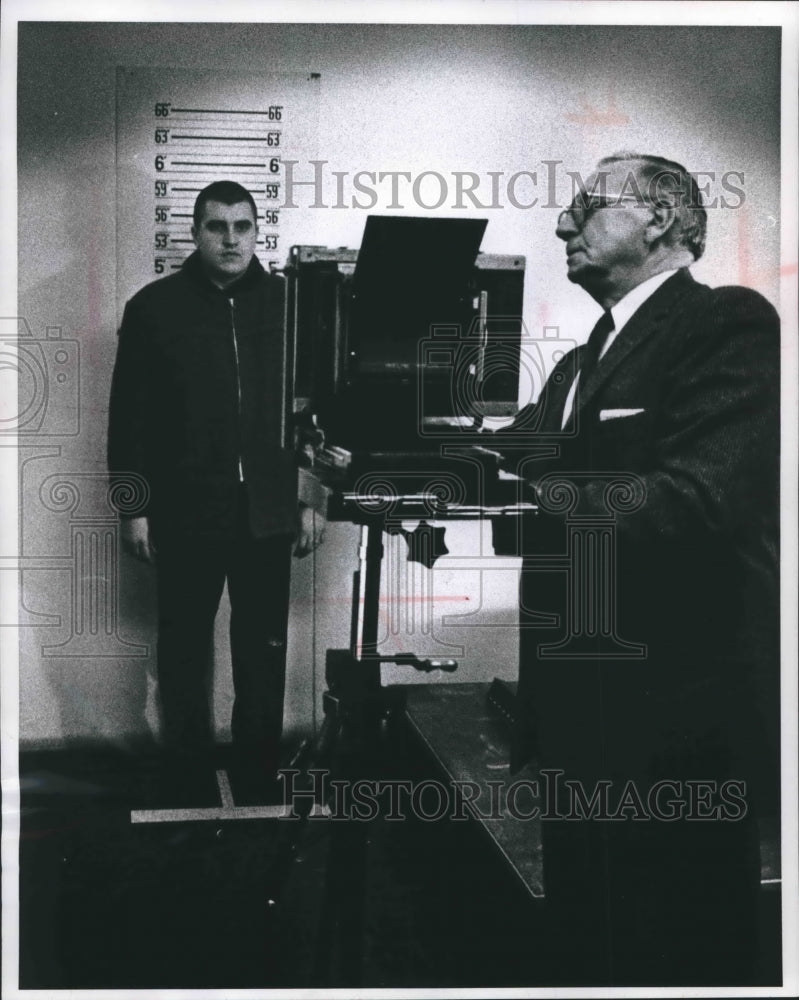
[(581, 209)]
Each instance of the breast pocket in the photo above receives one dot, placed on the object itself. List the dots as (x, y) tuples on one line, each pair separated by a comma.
[(623, 437)]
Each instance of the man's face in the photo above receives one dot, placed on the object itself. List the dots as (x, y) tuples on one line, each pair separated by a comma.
[(605, 244), (225, 239)]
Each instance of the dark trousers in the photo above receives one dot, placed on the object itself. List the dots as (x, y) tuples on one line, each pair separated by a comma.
[(191, 577)]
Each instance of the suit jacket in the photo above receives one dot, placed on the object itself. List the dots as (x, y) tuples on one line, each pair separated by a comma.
[(685, 403), (198, 387)]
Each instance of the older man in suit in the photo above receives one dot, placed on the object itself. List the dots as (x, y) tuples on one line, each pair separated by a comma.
[(671, 693)]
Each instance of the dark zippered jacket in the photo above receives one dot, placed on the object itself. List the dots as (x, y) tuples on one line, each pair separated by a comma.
[(198, 394)]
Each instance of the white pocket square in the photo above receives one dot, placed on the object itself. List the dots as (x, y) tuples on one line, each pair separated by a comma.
[(616, 414)]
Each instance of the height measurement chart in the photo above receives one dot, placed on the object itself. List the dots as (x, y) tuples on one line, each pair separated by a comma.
[(180, 130)]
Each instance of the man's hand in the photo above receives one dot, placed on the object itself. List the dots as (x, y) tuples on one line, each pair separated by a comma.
[(309, 439), (311, 531), (135, 534)]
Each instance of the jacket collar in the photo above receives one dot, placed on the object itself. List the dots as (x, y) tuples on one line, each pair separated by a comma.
[(627, 307), (194, 270), (644, 323)]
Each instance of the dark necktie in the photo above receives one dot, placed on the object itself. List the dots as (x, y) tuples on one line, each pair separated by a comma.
[(590, 358), (596, 341)]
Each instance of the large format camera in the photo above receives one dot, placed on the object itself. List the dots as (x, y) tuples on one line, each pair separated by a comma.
[(401, 349)]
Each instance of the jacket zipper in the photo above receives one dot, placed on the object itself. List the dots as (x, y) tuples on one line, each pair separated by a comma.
[(238, 384)]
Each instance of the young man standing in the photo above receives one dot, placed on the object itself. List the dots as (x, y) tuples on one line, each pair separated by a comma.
[(197, 410)]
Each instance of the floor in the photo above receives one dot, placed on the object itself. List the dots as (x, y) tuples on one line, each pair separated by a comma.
[(245, 903), (106, 903), (236, 900)]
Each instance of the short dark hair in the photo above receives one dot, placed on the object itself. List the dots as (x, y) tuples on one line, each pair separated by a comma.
[(669, 183), (226, 192)]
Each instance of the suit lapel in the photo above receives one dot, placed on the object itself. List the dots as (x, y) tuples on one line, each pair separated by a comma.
[(557, 389), (643, 324)]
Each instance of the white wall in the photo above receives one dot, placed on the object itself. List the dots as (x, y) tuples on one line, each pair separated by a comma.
[(403, 98)]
